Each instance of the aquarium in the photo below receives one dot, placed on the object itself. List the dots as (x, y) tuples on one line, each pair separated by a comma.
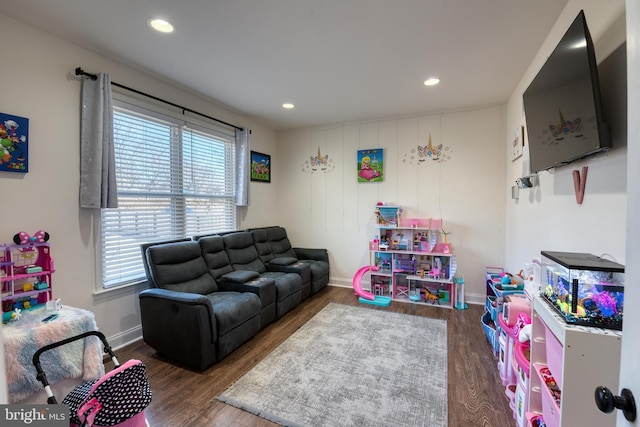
[(585, 289)]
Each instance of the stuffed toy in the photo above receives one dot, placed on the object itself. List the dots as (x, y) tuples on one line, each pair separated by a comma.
[(525, 333)]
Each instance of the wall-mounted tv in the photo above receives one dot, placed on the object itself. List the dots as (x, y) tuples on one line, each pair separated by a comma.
[(562, 105)]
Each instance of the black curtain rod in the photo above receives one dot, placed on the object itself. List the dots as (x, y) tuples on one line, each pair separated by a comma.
[(81, 72)]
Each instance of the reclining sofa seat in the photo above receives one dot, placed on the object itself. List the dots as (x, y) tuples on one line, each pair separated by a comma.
[(317, 259), (243, 255), (185, 316), (284, 264), (228, 279)]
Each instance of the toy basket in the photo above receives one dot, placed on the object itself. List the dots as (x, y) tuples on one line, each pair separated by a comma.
[(493, 276), (490, 332), (492, 306)]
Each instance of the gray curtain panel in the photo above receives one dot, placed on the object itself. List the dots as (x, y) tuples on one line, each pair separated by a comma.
[(97, 156), (242, 167)]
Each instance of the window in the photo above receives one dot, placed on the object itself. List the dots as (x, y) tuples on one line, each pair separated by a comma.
[(175, 179)]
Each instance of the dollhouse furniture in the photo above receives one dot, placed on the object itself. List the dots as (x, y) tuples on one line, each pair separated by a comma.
[(74, 363), (25, 275), (413, 258)]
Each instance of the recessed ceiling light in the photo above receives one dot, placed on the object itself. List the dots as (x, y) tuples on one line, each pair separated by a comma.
[(431, 81), (288, 105), (161, 25)]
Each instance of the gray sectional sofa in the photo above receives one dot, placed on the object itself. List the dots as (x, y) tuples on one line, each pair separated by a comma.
[(209, 295)]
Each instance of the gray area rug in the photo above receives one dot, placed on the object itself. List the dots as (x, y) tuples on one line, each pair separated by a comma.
[(352, 366)]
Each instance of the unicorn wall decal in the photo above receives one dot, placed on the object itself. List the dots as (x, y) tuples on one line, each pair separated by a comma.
[(318, 163), (438, 153)]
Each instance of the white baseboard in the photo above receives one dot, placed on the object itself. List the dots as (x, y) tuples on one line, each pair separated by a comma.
[(125, 338)]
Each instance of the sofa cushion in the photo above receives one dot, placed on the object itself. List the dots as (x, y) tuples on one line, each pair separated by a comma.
[(215, 256), (261, 242), (318, 268), (286, 283), (242, 253), (180, 267), (232, 309), (280, 244), (143, 248)]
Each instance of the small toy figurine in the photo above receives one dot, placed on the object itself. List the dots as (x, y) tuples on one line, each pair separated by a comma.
[(428, 296)]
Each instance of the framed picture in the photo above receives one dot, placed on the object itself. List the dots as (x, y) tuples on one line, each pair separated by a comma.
[(517, 144), (370, 165), (14, 143), (260, 167)]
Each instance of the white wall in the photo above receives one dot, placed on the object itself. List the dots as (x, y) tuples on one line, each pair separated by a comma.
[(547, 217), (38, 83), (331, 209)]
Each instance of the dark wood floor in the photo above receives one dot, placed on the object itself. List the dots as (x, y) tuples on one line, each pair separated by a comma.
[(184, 397)]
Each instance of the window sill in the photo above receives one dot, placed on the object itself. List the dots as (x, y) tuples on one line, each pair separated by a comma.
[(116, 291)]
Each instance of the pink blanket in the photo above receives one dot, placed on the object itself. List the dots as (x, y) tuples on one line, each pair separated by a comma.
[(80, 359)]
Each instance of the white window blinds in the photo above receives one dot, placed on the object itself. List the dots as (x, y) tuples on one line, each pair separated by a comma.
[(175, 179)]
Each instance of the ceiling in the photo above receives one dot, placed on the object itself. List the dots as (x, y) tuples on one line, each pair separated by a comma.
[(338, 61)]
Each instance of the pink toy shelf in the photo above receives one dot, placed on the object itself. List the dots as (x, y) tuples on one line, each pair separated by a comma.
[(25, 276)]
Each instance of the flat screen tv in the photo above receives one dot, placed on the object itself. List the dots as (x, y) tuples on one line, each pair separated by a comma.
[(562, 105)]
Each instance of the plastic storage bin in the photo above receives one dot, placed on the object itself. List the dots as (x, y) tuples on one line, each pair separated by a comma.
[(493, 275), (550, 408), (490, 331), (491, 305), (497, 291), (533, 418)]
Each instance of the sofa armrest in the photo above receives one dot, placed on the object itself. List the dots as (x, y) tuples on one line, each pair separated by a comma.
[(283, 261), (314, 254), (190, 311), (239, 276), (264, 287), (301, 269), (182, 297)]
